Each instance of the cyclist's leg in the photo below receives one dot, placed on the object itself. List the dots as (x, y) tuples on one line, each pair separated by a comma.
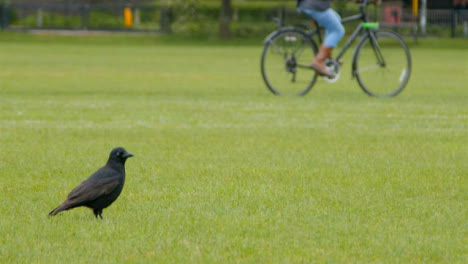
[(331, 21), (335, 31)]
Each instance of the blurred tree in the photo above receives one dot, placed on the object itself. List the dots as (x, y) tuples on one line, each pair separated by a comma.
[(225, 19)]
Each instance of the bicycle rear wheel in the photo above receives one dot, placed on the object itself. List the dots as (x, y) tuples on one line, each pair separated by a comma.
[(285, 63), (382, 64)]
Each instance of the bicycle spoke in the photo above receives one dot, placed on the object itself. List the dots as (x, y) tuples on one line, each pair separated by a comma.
[(382, 65), (284, 61), (305, 66), (298, 51), (368, 68)]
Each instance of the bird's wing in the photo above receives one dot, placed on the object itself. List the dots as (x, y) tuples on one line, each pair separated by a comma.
[(91, 190), (102, 182)]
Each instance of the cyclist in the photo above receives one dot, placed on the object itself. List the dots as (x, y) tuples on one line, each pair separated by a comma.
[(321, 12)]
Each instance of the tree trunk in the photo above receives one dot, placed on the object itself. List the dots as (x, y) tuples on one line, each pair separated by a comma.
[(225, 20)]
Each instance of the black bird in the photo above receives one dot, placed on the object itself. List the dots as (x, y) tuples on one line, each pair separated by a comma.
[(102, 188)]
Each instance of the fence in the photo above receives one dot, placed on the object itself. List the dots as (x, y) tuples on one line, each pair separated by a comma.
[(85, 16), (454, 19), (144, 16), (439, 22)]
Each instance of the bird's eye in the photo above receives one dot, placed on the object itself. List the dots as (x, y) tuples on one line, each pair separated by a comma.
[(119, 153)]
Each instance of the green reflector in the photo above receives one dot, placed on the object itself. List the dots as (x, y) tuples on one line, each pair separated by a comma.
[(372, 25)]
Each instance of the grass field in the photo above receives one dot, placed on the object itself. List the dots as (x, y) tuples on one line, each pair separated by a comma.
[(225, 172)]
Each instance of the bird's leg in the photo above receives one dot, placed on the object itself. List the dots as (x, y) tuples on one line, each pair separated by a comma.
[(97, 212)]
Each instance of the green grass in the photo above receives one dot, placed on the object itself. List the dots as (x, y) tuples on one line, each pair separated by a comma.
[(225, 172)]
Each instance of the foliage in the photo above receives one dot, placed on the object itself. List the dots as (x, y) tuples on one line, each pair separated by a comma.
[(249, 18), (186, 10), (94, 19), (188, 17), (12, 15)]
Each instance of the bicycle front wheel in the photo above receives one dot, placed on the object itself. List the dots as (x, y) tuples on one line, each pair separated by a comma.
[(285, 63), (382, 64)]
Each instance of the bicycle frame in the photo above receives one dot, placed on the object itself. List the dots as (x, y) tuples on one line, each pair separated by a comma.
[(358, 31), (363, 17), (353, 36), (293, 40)]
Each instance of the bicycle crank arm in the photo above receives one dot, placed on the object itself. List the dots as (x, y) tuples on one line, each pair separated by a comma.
[(304, 66)]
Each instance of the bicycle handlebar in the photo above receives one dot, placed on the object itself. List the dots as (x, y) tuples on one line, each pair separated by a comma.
[(362, 6)]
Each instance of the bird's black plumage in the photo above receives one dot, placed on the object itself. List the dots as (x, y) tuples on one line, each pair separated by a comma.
[(102, 188)]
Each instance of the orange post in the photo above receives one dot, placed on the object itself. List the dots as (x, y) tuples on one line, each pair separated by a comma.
[(128, 17), (415, 7)]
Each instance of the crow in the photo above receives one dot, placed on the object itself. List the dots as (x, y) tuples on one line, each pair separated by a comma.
[(102, 188)]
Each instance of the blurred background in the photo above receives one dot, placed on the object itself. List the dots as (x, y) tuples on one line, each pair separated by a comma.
[(225, 19)]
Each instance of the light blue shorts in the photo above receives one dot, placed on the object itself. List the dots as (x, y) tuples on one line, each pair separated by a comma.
[(331, 21)]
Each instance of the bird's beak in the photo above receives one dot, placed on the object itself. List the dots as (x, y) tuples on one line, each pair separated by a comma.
[(128, 155)]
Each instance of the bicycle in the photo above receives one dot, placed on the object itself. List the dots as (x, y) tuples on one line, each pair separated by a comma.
[(381, 61)]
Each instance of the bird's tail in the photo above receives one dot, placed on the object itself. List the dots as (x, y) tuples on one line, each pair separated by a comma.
[(59, 209)]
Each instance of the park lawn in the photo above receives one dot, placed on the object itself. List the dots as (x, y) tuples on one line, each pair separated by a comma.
[(225, 172)]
